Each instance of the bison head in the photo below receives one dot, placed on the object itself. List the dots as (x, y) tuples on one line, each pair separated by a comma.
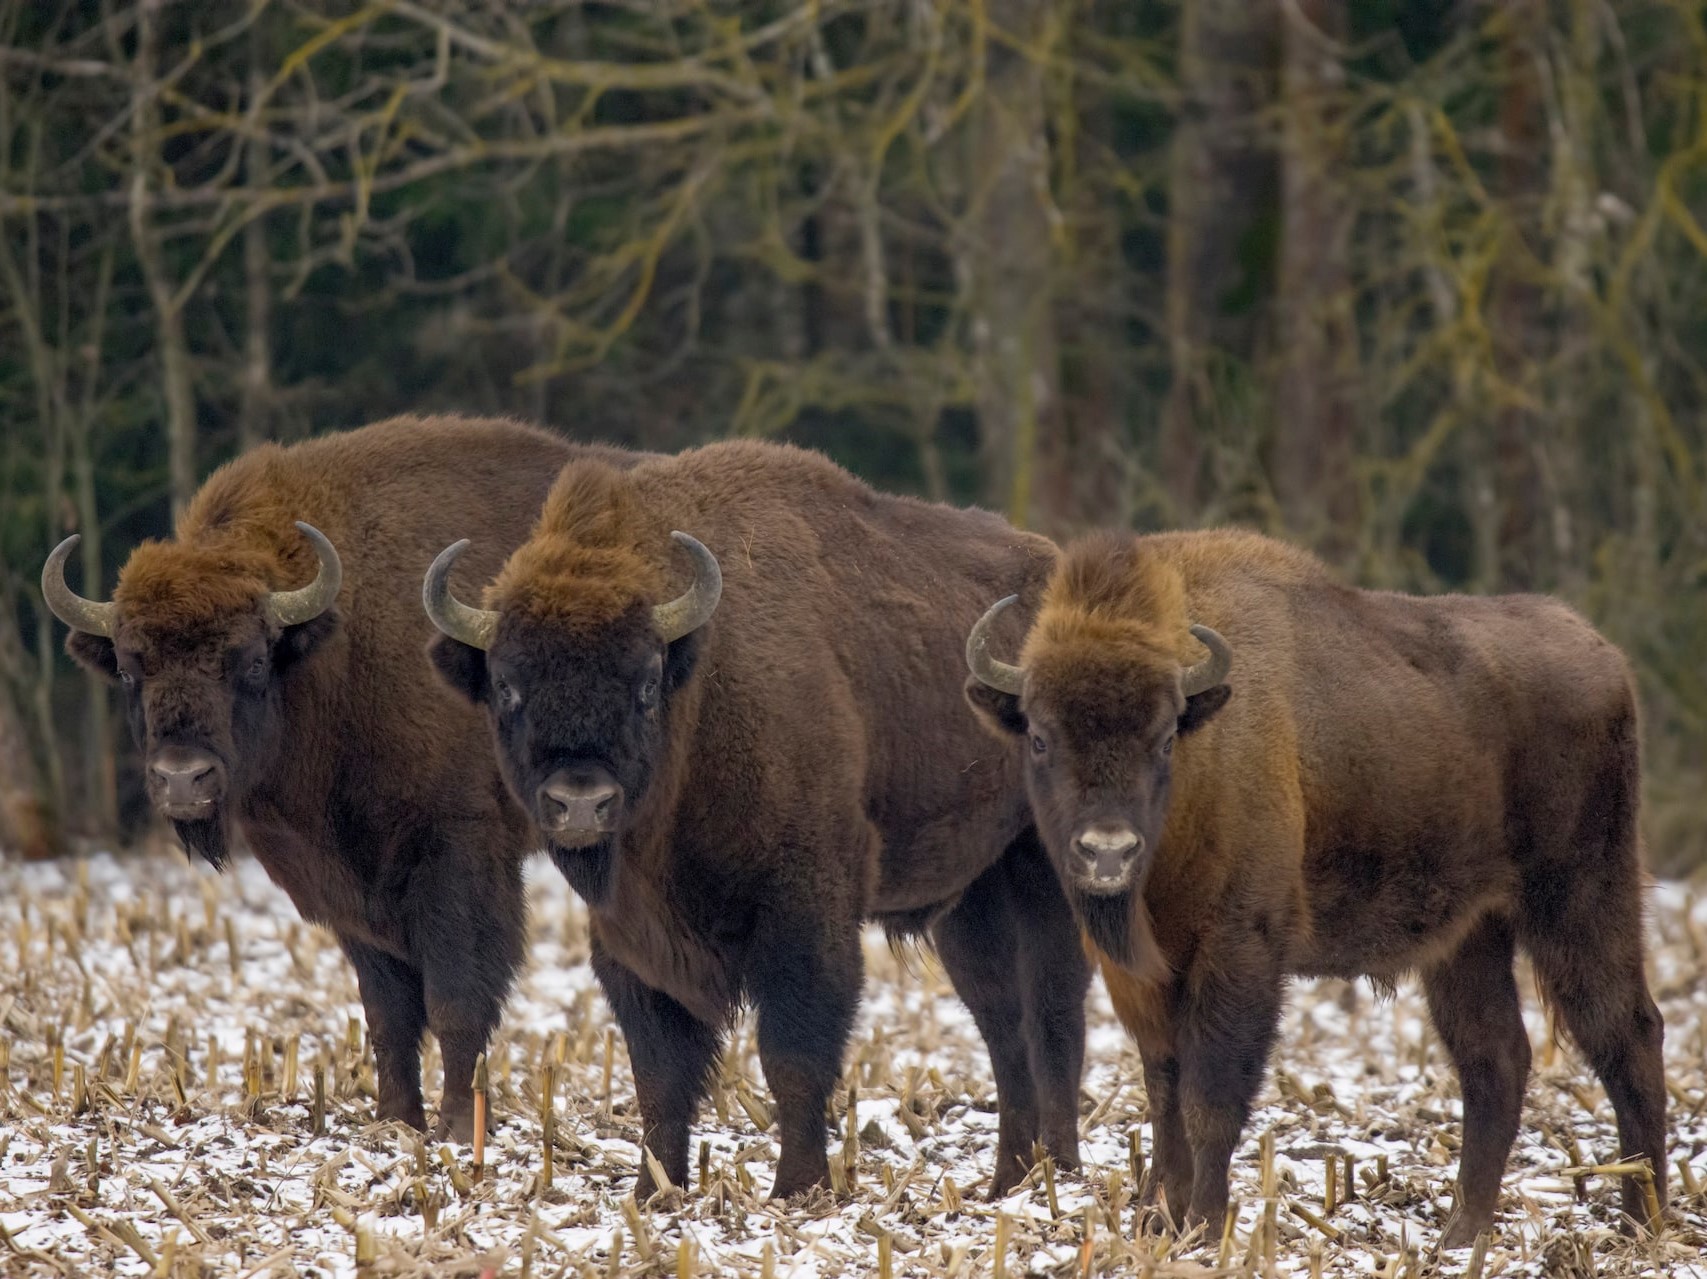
[(1098, 705), (577, 668), (200, 645)]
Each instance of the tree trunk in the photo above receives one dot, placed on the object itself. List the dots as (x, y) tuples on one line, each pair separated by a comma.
[(1313, 413), (168, 307), (100, 782), (1085, 472), (29, 824), (1007, 260), (254, 412), (1516, 307), (1219, 173)]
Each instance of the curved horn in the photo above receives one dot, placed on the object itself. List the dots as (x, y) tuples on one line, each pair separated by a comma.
[(693, 607), (472, 626), (999, 675), (291, 608), (1213, 669), (88, 616)]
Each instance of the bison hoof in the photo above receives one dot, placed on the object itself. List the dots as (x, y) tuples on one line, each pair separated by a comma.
[(414, 1116), (455, 1127), (792, 1190), (1462, 1229)]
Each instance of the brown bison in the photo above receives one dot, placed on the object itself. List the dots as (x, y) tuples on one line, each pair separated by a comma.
[(280, 684), (1400, 785), (736, 770)]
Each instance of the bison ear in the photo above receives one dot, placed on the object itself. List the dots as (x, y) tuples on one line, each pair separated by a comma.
[(297, 642), (1202, 708), (460, 665), (997, 711), (680, 657), (95, 652)]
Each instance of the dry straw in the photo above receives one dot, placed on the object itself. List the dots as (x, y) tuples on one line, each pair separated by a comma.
[(125, 1143)]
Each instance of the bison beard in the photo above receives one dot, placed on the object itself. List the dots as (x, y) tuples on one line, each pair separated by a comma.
[(209, 839), (589, 870), (1119, 926), (1108, 920)]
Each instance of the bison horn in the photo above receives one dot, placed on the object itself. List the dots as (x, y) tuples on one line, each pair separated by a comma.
[(292, 608), (693, 607), (1213, 669), (472, 626), (999, 675), (88, 616)]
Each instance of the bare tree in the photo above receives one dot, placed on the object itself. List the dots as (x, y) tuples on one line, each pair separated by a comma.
[(1313, 431)]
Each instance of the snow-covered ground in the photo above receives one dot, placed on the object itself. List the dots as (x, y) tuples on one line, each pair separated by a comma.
[(119, 985)]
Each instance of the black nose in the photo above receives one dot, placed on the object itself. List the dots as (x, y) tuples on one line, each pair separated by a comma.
[(184, 778), (579, 800)]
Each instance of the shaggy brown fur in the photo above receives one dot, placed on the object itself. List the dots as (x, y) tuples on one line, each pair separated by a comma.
[(799, 763), (1385, 785), (361, 785)]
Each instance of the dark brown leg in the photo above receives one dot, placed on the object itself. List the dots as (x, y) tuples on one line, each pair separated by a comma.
[(396, 1017), (977, 942), (1581, 922), (1473, 1002), (469, 920), (1595, 982), (1147, 1010), (672, 1053), (805, 979), (1054, 976), (1226, 1032), (1170, 1150)]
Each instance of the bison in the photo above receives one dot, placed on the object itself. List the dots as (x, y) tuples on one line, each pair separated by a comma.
[(735, 770), (1400, 785), (272, 657)]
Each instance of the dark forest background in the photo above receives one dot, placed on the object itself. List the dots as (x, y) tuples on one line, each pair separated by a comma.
[(1419, 283)]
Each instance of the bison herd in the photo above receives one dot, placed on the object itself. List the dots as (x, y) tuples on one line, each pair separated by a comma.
[(727, 691)]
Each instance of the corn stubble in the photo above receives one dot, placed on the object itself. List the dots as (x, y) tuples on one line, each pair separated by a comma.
[(186, 1086)]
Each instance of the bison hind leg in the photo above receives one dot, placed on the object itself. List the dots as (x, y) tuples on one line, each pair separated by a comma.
[(979, 941), (1011, 947), (1593, 978), (1473, 1002)]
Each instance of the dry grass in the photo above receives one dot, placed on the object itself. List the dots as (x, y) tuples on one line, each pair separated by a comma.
[(165, 1035)]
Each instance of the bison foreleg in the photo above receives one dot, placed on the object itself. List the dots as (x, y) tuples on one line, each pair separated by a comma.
[(470, 943), (805, 979), (396, 1015), (1170, 1149), (1148, 1011), (1225, 1038), (672, 1054)]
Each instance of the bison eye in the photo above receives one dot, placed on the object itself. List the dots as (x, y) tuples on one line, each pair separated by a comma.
[(126, 678), (1168, 747), (507, 693), (257, 668), (1038, 745), (649, 694)]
